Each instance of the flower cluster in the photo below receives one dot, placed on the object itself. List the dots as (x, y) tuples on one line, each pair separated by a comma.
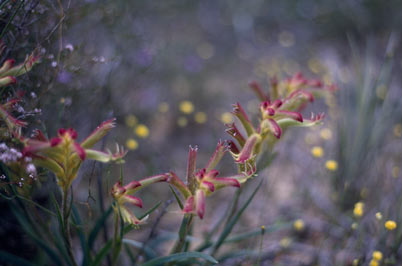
[(63, 155), (279, 110)]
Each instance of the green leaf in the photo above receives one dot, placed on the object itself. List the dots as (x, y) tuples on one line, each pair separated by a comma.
[(98, 226), (11, 259), (84, 246), (58, 212), (257, 232), (149, 252), (37, 205), (102, 253), (130, 227), (150, 210), (180, 257), (250, 234), (228, 228), (239, 253), (170, 236), (177, 197)]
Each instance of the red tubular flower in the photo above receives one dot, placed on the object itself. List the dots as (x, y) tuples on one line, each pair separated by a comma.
[(239, 112), (121, 195), (258, 91), (203, 182), (235, 133)]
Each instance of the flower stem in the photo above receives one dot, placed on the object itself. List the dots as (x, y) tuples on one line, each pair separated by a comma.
[(116, 240), (184, 229), (66, 226)]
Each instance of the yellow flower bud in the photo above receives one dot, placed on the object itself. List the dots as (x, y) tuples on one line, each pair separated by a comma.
[(186, 107), (358, 210), (317, 151), (298, 225), (131, 144), (377, 255), (331, 165), (390, 225), (142, 131)]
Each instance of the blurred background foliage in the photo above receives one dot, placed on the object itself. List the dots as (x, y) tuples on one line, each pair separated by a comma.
[(170, 70)]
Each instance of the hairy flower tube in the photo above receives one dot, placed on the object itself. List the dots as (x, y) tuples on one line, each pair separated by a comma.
[(201, 183), (63, 155), (121, 195)]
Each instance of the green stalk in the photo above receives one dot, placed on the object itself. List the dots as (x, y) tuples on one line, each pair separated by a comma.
[(116, 240), (183, 232), (66, 226)]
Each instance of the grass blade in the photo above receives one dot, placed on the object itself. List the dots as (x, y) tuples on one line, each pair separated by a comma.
[(180, 257), (98, 226), (102, 253), (149, 252), (84, 246), (27, 228), (226, 231), (177, 197)]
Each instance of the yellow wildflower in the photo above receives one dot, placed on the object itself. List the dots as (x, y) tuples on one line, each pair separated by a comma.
[(131, 144), (390, 225), (186, 107), (358, 210), (377, 255), (317, 151), (298, 225), (374, 263), (142, 131), (331, 165), (200, 117)]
